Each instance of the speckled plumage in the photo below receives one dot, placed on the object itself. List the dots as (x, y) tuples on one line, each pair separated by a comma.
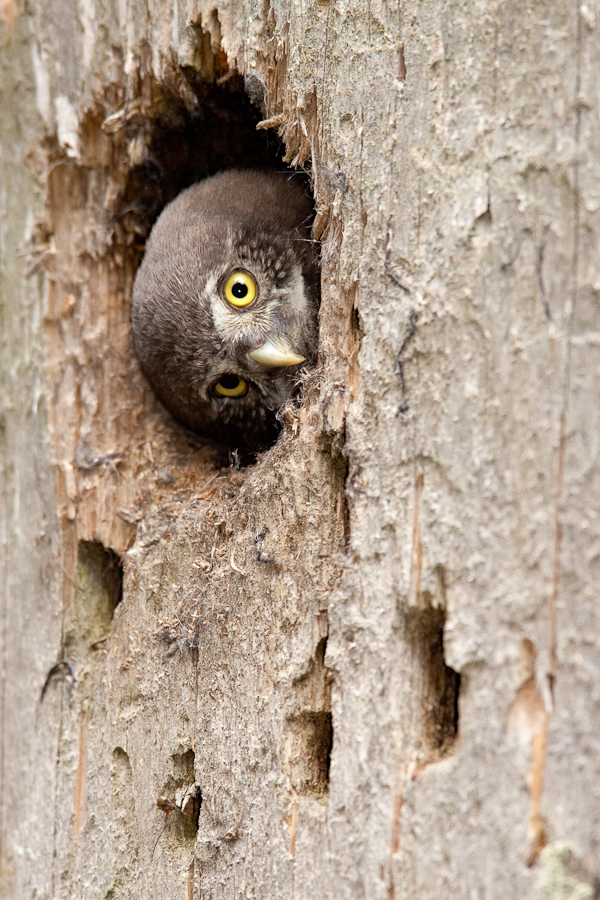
[(188, 337)]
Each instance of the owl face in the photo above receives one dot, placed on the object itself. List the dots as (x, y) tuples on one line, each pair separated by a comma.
[(225, 305)]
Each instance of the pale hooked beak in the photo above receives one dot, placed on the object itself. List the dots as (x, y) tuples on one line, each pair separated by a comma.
[(276, 351)]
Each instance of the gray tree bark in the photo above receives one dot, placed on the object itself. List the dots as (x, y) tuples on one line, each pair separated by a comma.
[(368, 665)]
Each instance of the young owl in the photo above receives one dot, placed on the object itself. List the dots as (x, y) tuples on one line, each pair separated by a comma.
[(225, 304)]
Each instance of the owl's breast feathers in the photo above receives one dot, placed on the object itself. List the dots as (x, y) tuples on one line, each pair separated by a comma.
[(228, 289)]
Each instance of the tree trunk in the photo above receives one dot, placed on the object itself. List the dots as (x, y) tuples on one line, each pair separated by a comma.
[(366, 666)]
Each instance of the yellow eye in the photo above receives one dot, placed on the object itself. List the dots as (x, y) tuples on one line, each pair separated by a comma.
[(231, 386), (240, 289)]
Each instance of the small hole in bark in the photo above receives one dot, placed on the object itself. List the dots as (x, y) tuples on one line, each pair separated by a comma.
[(181, 799), (440, 684), (105, 568), (98, 592), (309, 737), (310, 741)]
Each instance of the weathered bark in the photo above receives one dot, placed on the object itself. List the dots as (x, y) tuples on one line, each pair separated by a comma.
[(365, 667)]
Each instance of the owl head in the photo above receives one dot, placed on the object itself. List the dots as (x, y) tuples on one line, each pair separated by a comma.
[(225, 304)]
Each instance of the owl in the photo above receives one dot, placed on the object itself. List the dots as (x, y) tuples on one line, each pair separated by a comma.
[(225, 305)]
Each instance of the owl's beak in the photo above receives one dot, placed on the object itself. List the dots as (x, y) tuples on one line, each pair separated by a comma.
[(276, 351)]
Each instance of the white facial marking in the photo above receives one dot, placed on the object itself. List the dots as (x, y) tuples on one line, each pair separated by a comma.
[(297, 294), (230, 323)]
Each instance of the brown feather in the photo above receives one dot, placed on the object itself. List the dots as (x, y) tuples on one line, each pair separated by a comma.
[(187, 336)]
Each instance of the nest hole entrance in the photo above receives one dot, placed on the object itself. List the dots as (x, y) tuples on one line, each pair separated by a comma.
[(203, 128), (138, 146), (203, 121)]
